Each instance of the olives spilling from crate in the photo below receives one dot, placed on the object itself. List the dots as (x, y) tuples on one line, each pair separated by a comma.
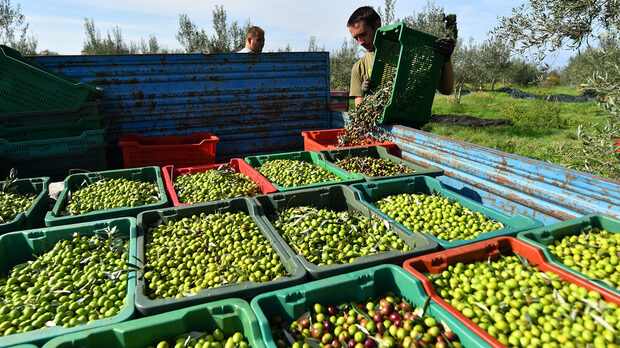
[(523, 306), (12, 203), (215, 339), (110, 193), (386, 322), (76, 282), (290, 173), (214, 185), (372, 166), (326, 237), (437, 215), (207, 251), (595, 253)]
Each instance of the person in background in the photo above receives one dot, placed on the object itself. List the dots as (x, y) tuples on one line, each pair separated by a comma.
[(254, 40), (362, 25)]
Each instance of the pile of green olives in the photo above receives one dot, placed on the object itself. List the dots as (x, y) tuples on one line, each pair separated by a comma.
[(326, 237), (594, 253), (445, 219), (214, 185), (290, 173), (76, 282), (12, 203), (216, 339), (522, 306), (372, 166), (194, 253), (110, 193), (390, 322)]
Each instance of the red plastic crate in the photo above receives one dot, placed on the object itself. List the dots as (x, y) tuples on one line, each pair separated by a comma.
[(437, 262), (238, 164), (319, 140), (618, 144), (180, 151)]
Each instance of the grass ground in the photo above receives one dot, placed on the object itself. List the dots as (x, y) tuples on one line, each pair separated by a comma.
[(540, 130)]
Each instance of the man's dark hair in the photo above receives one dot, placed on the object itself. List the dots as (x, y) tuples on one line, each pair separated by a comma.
[(366, 14)]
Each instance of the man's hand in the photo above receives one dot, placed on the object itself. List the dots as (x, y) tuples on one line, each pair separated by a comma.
[(367, 86), (445, 46)]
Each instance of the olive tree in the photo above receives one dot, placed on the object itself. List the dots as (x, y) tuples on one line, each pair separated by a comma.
[(114, 43), (13, 29)]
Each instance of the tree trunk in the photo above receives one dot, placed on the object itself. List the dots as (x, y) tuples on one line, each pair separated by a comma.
[(493, 84)]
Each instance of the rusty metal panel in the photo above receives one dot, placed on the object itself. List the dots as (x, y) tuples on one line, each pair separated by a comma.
[(510, 183), (255, 103)]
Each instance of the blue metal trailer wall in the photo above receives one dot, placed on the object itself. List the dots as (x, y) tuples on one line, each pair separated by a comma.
[(510, 183), (253, 102)]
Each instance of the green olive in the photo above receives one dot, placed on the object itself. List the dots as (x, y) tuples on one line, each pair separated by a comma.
[(111, 193), (13, 203), (205, 340), (214, 185), (291, 173), (372, 166)]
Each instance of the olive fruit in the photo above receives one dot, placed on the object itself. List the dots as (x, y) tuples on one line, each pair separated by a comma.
[(205, 340), (76, 282), (437, 215), (110, 193), (213, 185), (194, 253), (13, 203), (326, 237), (595, 253), (522, 306), (372, 166), (386, 322), (290, 173)]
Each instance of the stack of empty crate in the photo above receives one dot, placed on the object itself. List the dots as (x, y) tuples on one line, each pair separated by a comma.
[(49, 124)]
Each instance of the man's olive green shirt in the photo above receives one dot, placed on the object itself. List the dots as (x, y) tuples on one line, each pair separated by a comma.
[(359, 73)]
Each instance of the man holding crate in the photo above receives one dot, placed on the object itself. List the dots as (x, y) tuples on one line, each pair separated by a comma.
[(362, 25)]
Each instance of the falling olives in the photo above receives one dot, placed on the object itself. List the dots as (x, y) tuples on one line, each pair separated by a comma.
[(372, 166), (200, 252), (215, 339), (389, 321), (522, 306), (77, 281), (326, 237), (213, 185), (13, 203), (290, 173), (437, 215), (595, 253), (109, 193)]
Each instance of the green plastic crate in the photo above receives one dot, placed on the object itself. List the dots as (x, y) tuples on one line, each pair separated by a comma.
[(377, 152), (247, 290), (19, 247), (33, 217), (543, 236), (229, 315), (75, 181), (339, 198), (57, 166), (306, 156), (27, 86), (291, 303), (45, 147), (51, 131), (85, 110), (373, 191), (410, 56)]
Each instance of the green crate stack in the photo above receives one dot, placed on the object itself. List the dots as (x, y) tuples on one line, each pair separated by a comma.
[(410, 57), (49, 124), (230, 316)]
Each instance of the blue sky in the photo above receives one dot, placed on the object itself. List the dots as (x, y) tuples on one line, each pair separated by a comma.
[(59, 24)]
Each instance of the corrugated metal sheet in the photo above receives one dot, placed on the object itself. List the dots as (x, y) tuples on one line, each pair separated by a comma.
[(255, 103), (510, 183)]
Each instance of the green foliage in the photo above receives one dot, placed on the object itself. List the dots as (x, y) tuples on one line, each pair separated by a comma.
[(430, 20), (340, 64), (113, 42), (227, 37), (313, 46), (543, 26), (582, 67), (522, 73), (550, 112), (13, 29)]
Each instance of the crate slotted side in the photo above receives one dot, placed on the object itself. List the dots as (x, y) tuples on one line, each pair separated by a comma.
[(408, 56)]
